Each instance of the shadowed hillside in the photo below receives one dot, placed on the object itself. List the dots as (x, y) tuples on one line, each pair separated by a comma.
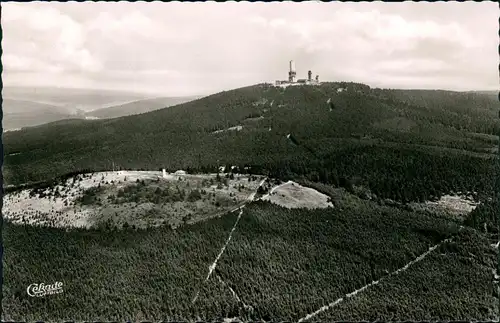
[(381, 139), (367, 152)]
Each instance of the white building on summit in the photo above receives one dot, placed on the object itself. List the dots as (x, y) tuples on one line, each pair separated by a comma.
[(291, 78)]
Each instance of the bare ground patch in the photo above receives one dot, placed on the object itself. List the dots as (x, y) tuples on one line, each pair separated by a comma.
[(294, 195), (130, 198), (456, 206)]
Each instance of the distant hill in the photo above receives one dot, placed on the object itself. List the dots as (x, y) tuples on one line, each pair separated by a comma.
[(138, 107), (486, 92), (75, 99), (27, 107), (381, 139), (21, 113)]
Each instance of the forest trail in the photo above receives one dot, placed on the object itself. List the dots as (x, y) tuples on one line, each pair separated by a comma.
[(262, 181), (214, 264), (275, 188), (251, 198), (235, 296), (495, 245), (354, 293)]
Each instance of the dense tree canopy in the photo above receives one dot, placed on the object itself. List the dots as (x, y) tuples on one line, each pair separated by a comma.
[(376, 144)]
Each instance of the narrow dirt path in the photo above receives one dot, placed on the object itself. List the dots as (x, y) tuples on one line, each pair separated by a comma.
[(495, 245), (275, 188), (236, 297), (212, 267), (354, 293), (230, 289)]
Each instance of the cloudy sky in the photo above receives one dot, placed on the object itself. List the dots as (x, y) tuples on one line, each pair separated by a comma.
[(199, 48)]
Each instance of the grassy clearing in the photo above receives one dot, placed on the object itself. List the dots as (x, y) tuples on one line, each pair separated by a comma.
[(293, 195)]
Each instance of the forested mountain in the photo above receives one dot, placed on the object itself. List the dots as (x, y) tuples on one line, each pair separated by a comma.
[(369, 150), (428, 142)]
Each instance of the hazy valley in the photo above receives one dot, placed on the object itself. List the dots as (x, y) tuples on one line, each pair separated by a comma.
[(30, 106)]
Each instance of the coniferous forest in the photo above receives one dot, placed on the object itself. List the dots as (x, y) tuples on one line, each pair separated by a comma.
[(381, 148)]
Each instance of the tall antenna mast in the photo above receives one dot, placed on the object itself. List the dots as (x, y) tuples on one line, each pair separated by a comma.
[(292, 73)]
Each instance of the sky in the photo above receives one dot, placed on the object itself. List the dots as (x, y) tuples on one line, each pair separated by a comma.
[(176, 49)]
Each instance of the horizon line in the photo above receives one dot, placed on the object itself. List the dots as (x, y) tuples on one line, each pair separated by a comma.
[(158, 94)]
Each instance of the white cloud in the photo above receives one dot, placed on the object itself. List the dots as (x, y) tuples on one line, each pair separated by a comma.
[(44, 40), (169, 47)]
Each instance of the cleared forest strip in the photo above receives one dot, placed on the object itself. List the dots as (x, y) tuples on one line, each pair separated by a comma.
[(274, 188), (236, 297), (354, 293), (214, 264)]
